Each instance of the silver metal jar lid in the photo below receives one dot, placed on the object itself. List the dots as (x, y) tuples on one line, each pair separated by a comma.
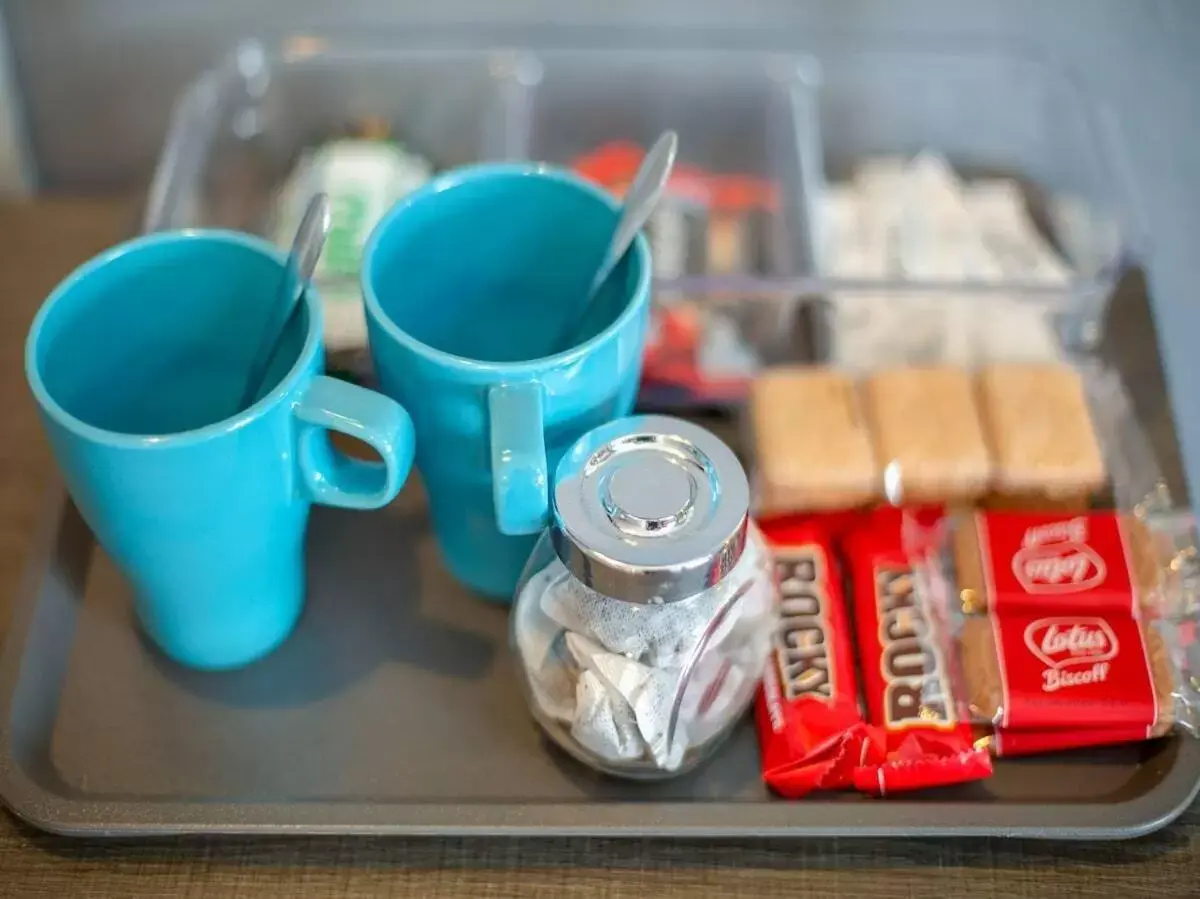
[(649, 509)]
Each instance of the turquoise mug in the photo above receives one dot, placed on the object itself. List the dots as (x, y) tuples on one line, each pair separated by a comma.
[(469, 282), (138, 361)]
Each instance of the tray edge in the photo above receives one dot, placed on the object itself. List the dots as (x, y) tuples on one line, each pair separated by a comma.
[(56, 813)]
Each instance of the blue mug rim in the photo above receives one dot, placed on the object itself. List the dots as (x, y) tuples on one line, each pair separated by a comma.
[(219, 428), (456, 178)]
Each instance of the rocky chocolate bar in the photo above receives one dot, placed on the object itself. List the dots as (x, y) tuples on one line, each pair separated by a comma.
[(1088, 561), (810, 726), (1026, 671), (915, 686), (911, 703)]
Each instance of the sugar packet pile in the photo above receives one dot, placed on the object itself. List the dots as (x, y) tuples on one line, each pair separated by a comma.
[(625, 679), (915, 220)]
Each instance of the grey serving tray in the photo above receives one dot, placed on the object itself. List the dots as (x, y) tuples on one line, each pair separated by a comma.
[(394, 709)]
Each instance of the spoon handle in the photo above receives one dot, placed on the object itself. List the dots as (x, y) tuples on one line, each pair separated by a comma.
[(640, 200), (301, 262)]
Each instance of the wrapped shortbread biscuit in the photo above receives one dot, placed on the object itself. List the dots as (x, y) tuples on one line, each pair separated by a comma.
[(1037, 671), (1072, 629), (1040, 430), (1084, 561), (811, 440), (1004, 742), (927, 435)]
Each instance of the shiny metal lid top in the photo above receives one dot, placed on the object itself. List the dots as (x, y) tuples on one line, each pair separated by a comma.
[(650, 509)]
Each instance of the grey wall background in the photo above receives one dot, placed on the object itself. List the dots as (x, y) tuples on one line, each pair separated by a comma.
[(99, 76)]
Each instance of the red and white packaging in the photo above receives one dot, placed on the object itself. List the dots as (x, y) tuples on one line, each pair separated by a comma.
[(1011, 562), (913, 706), (1029, 671), (810, 724), (1008, 743)]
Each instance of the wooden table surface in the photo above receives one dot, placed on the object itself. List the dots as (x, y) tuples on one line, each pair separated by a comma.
[(39, 243)]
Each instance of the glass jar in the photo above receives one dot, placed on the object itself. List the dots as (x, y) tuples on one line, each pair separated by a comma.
[(645, 613)]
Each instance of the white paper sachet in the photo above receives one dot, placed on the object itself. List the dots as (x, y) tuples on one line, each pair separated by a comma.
[(1090, 237), (998, 210), (604, 723), (880, 330), (841, 249), (648, 692), (879, 185), (651, 693), (542, 644), (662, 636), (612, 670), (1011, 330), (917, 220)]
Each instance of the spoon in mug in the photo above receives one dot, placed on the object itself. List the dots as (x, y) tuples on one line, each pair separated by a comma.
[(640, 202), (298, 271)]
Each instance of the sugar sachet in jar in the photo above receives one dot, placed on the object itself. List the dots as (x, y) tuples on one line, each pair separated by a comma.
[(646, 611)]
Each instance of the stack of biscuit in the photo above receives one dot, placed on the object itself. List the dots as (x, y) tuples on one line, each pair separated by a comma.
[(1005, 436)]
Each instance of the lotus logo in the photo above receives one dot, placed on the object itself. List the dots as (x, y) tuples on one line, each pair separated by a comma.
[(1066, 567), (1059, 642)]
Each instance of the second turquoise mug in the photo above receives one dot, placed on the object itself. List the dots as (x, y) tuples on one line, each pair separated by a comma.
[(138, 362), (468, 282)]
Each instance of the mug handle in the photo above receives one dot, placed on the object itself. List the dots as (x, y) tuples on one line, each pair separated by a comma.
[(332, 477), (518, 444)]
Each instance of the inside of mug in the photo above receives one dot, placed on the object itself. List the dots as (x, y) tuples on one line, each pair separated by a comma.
[(494, 268), (159, 339)]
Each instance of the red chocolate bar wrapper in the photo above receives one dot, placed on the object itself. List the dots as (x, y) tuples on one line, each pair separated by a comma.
[(810, 727), (911, 702), (1004, 743)]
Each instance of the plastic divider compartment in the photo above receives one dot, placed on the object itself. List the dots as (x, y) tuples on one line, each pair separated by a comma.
[(990, 113), (733, 112), (240, 128)]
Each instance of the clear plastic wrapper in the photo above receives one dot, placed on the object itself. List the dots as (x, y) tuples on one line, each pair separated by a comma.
[(1046, 671), (1009, 434), (1074, 626)]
